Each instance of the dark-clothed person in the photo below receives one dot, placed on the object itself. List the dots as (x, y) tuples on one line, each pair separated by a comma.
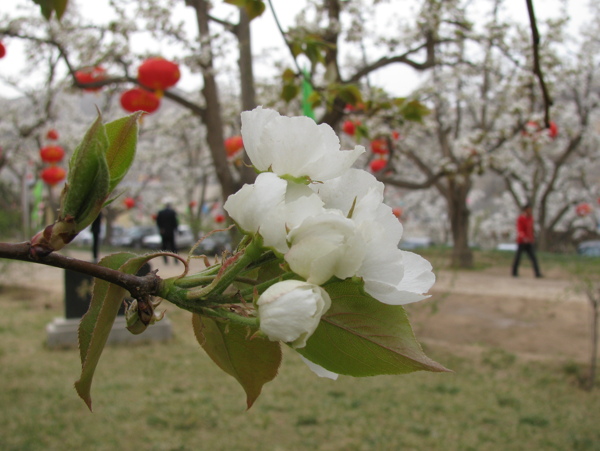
[(167, 223)]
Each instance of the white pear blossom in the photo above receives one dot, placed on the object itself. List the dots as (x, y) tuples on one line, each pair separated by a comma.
[(290, 311), (272, 206), (294, 146), (390, 275), (324, 246)]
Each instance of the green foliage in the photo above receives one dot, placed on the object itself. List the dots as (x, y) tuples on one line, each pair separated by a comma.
[(48, 7), (96, 324), (98, 164), (89, 177), (379, 335), (254, 8), (122, 135), (252, 361)]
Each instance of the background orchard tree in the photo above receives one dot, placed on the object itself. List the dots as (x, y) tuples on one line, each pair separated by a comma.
[(556, 169), (470, 97)]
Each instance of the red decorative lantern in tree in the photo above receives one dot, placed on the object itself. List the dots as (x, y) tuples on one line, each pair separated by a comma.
[(158, 74), (2, 50), (349, 127), (219, 218), (91, 75), (52, 134), (138, 99), (583, 209), (129, 202), (192, 204), (397, 212), (379, 146), (233, 145), (52, 154), (53, 175), (378, 164), (553, 130)]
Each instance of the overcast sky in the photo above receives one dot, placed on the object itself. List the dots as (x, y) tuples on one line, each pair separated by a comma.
[(266, 35)]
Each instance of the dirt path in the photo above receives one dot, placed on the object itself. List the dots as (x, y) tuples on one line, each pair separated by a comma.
[(468, 310), (536, 318)]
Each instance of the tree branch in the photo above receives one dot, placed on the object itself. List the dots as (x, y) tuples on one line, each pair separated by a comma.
[(136, 285), (536, 62)]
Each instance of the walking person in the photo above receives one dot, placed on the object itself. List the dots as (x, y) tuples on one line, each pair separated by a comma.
[(525, 241), (167, 223), (96, 229)]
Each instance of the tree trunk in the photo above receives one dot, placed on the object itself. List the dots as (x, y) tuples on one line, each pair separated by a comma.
[(459, 214), (247, 173), (212, 113)]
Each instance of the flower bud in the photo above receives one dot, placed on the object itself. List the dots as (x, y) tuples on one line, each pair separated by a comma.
[(290, 311)]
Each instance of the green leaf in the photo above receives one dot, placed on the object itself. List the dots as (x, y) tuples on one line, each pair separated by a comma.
[(49, 6), (254, 8), (89, 178), (96, 324), (289, 92), (350, 94), (288, 76), (360, 336), (253, 361), (60, 7), (414, 111), (122, 137)]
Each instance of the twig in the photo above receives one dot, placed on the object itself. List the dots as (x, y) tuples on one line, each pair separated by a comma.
[(136, 285), (537, 70)]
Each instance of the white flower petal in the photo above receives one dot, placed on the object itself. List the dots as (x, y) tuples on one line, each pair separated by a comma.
[(325, 246), (290, 311), (319, 370), (256, 204), (294, 146)]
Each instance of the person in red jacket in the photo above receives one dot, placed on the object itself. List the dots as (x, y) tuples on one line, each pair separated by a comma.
[(525, 241)]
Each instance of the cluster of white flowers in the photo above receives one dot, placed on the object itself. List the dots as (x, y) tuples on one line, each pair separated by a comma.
[(325, 218)]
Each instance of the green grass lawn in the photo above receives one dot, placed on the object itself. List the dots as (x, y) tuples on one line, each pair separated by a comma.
[(170, 396)]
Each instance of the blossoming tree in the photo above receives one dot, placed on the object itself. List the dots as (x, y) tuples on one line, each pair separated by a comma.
[(318, 268)]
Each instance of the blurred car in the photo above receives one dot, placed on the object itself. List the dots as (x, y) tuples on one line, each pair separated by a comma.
[(410, 243), (84, 238), (133, 236), (507, 247), (183, 238), (589, 248), (214, 244)]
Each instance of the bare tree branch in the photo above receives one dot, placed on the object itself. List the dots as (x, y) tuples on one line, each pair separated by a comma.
[(537, 70)]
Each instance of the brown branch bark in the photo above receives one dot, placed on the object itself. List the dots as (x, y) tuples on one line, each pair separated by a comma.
[(136, 285), (537, 70)]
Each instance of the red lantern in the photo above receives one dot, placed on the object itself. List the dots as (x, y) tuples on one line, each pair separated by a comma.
[(379, 146), (53, 175), (129, 202), (397, 212), (378, 164), (91, 75), (219, 218), (52, 135), (138, 99), (583, 209), (2, 50), (52, 154), (158, 73), (553, 130), (233, 145), (349, 127), (192, 204)]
